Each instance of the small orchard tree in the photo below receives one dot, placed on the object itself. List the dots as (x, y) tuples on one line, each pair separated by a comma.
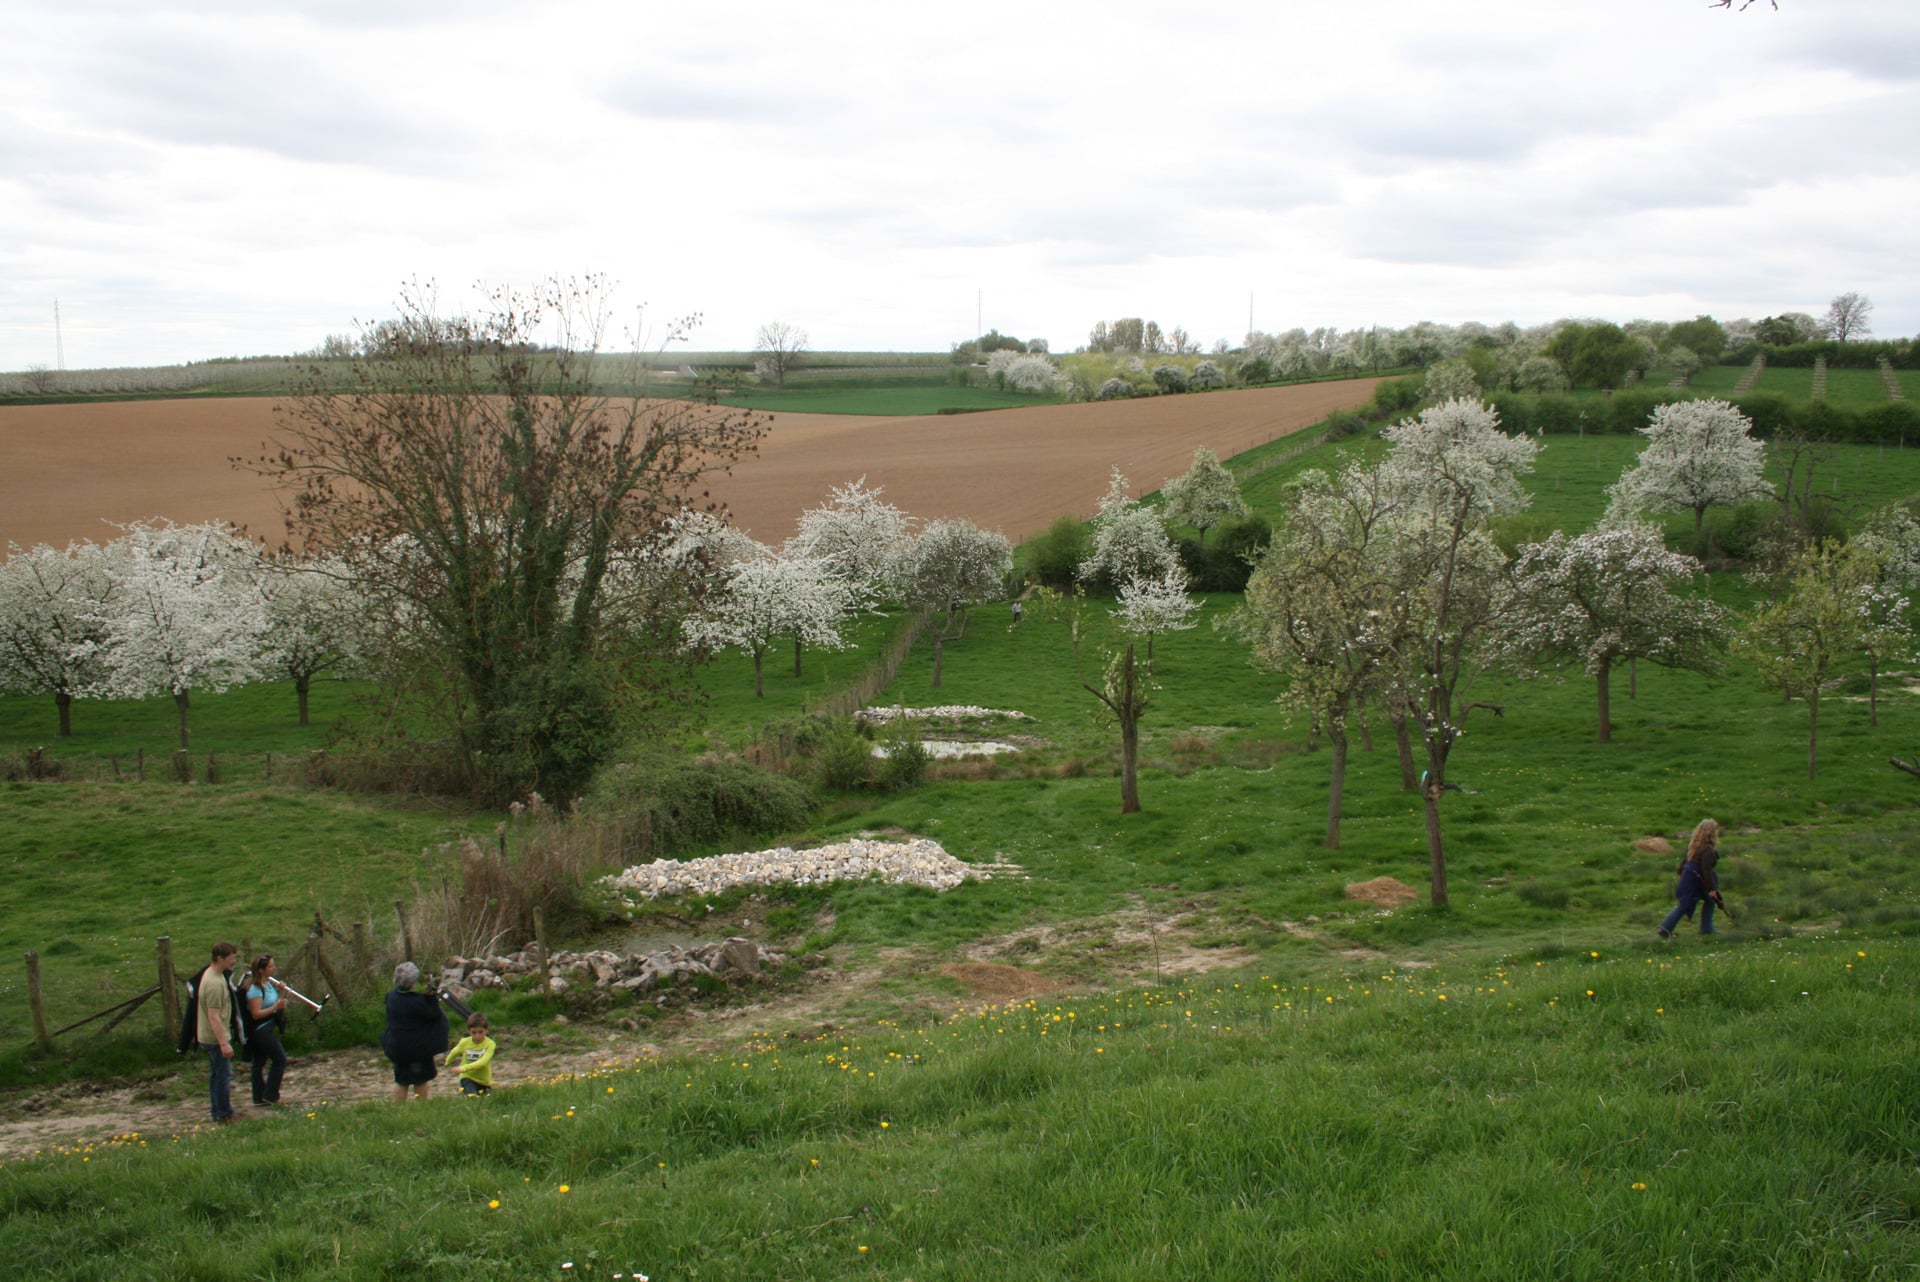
[(1129, 540), (1699, 454), (1888, 553), (51, 602), (185, 613), (1152, 606), (778, 349), (1171, 379), (1206, 496), (951, 567), (770, 598), (1449, 472), (1606, 595), (1797, 640), (1450, 380), (1324, 611), (1206, 376), (857, 533), (312, 619)]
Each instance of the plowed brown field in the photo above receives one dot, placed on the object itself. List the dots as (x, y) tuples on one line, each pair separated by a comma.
[(67, 470)]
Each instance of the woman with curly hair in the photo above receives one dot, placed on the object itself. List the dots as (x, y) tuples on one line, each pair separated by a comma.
[(1699, 882)]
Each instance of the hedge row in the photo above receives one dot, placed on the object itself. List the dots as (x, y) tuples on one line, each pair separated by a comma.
[(1628, 411), (1902, 353)]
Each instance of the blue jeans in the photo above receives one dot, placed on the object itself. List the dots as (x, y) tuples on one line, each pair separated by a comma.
[(1686, 910), (219, 1083)]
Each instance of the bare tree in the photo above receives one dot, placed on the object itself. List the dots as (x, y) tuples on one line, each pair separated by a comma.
[(778, 348), (1847, 316), (485, 494)]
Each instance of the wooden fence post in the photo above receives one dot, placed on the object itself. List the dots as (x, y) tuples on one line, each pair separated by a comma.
[(169, 991), (406, 934), (33, 1000), (546, 958)]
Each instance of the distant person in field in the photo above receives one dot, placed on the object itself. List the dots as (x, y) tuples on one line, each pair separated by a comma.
[(416, 1034), (266, 1019), (215, 1028), (472, 1056), (1699, 883)]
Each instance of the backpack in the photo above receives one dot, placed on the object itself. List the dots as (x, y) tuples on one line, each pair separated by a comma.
[(239, 1026)]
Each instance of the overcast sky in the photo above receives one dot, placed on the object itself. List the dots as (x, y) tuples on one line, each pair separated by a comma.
[(228, 178)]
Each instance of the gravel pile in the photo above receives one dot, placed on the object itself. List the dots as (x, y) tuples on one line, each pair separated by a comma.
[(944, 712), (918, 862)]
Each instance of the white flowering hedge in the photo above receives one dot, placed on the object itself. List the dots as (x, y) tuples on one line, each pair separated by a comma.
[(916, 862)]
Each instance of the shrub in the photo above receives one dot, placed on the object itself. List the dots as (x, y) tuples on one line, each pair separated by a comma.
[(844, 760), (1114, 389), (1206, 375), (1344, 423), (1053, 557), (1170, 378), (907, 759), (1397, 395), (660, 807), (1257, 369)]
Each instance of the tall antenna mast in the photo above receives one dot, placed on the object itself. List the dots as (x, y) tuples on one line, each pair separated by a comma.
[(977, 331), (59, 343), (1249, 313)]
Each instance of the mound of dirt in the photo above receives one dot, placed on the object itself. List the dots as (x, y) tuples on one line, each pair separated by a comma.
[(1653, 846), (988, 982), (1383, 892)]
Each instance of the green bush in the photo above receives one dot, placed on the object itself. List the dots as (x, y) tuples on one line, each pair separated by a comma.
[(844, 758), (662, 807), (907, 759), (1397, 396), (1344, 423), (1053, 557)]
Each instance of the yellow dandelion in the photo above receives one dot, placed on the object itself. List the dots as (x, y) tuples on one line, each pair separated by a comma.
[(494, 1205), (566, 1188), (885, 1125), (1639, 1187)]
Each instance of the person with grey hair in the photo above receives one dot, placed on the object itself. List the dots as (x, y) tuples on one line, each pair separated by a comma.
[(415, 1036)]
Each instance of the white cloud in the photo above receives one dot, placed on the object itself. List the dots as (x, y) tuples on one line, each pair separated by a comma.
[(214, 177)]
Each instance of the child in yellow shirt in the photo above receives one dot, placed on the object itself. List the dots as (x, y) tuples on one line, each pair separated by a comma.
[(473, 1056)]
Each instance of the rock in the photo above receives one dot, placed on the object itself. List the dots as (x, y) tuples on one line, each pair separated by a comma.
[(740, 954)]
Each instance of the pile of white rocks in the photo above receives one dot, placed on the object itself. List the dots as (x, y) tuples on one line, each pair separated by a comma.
[(944, 712), (917, 862), (734, 958)]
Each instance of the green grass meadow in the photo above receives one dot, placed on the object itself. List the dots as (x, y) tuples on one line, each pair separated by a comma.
[(1525, 1084)]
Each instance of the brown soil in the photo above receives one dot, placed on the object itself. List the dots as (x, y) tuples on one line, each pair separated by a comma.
[(1653, 846), (67, 470)]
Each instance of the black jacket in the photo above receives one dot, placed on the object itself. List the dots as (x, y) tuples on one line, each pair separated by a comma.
[(416, 1027)]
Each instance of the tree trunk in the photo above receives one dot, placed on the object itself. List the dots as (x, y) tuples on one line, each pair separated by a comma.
[(1436, 851), (939, 644), (759, 685), (1633, 677), (1337, 784), (1873, 692), (1604, 680), (796, 657), (1129, 713), (300, 685), (1813, 726), (64, 702), (1366, 728), (1403, 743), (180, 705)]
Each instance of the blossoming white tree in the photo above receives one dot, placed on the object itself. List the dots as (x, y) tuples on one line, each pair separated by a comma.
[(1205, 496), (1149, 607), (313, 617), (857, 533), (1325, 611), (952, 566), (1888, 552), (770, 598), (1606, 595), (1699, 454), (185, 614), (49, 641), (1129, 540), (1449, 472)]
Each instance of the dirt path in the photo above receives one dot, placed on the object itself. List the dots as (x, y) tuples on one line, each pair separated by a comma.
[(1115, 951)]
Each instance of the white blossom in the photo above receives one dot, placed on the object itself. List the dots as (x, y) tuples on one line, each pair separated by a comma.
[(770, 599), (1699, 454), (1205, 496), (186, 614), (856, 533), (1129, 540), (1149, 607), (50, 603)]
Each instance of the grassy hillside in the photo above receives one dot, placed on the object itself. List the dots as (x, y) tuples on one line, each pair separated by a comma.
[(1526, 1084)]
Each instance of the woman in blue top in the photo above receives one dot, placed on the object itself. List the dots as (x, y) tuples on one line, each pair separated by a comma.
[(266, 1016), (1699, 882)]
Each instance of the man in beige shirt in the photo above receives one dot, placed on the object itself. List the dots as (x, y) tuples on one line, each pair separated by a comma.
[(215, 1016)]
